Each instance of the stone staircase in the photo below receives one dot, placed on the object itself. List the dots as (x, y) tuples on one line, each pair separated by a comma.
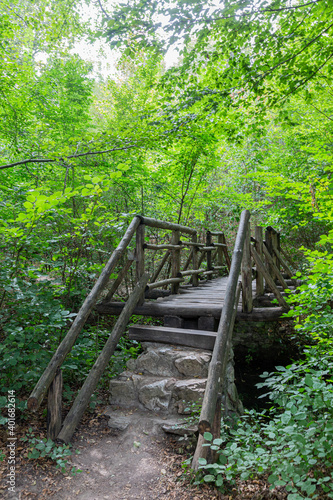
[(170, 381)]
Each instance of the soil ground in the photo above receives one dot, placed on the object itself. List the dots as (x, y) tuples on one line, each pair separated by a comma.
[(139, 463)]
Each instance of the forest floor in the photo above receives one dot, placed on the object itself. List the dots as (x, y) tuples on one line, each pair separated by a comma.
[(139, 463)]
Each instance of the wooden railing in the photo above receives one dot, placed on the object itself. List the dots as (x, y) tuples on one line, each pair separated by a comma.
[(182, 256), (248, 252), (199, 254)]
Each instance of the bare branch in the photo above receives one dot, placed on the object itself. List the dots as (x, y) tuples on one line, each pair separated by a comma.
[(62, 158)]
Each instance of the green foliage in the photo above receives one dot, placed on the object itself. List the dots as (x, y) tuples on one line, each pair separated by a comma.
[(292, 442), (46, 448)]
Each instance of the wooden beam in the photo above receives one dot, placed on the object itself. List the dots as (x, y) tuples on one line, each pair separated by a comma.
[(170, 281), (195, 265), (167, 225), (198, 339), (269, 279), (283, 262), (161, 308), (82, 399), (276, 271), (160, 267), (118, 280), (217, 367), (66, 345)]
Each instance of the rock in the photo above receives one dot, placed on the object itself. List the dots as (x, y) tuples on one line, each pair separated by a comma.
[(119, 422), (186, 392), (192, 365), (171, 361), (156, 395)]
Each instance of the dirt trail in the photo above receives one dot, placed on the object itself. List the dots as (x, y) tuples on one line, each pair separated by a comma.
[(136, 463)]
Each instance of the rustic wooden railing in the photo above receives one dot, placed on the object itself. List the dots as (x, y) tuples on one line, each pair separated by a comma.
[(267, 258), (204, 259), (177, 272)]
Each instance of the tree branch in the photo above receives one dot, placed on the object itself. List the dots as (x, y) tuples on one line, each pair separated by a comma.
[(62, 158)]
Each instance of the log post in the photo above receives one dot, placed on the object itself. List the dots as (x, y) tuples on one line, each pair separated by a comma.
[(220, 252), (54, 406), (247, 301), (195, 279), (140, 255), (218, 364), (175, 265), (260, 290), (82, 399), (209, 253), (225, 250), (269, 245)]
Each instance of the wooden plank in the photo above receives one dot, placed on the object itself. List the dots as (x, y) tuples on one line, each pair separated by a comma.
[(200, 339)]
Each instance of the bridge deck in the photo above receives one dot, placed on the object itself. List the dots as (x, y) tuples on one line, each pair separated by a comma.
[(205, 300)]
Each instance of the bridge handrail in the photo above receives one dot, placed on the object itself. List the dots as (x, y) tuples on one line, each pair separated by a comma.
[(211, 405)]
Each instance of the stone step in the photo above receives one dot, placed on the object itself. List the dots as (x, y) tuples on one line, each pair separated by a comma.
[(171, 361), (158, 394), (200, 339)]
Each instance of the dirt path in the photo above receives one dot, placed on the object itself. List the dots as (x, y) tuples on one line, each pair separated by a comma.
[(137, 462)]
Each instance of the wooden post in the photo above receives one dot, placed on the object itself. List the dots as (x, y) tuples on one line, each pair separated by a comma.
[(278, 247), (175, 265), (195, 280), (140, 255), (283, 262), (66, 345), (247, 301), (209, 253), (220, 252), (139, 251), (269, 245), (218, 364), (260, 290), (226, 253), (82, 399), (54, 406)]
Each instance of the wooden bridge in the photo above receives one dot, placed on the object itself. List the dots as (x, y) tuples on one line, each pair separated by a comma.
[(195, 287)]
